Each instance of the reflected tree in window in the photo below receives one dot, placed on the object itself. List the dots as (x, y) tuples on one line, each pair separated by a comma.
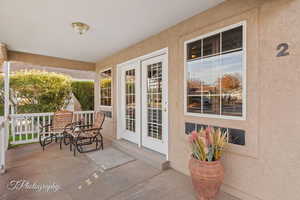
[(214, 74), (105, 88)]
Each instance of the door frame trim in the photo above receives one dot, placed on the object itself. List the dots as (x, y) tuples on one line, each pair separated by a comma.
[(139, 61)]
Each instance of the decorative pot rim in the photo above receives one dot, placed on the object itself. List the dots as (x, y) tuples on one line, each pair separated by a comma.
[(206, 162)]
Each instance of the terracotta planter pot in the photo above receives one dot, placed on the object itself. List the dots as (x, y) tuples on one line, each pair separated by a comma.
[(207, 178)]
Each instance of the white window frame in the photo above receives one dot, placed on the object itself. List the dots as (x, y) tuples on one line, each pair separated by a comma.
[(244, 69), (103, 107)]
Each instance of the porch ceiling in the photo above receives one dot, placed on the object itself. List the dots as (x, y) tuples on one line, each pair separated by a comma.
[(43, 27)]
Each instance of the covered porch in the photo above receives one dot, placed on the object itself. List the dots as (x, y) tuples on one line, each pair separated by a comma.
[(164, 71), (82, 178)]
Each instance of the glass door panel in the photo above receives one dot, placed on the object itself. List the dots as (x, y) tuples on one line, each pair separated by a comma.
[(154, 104), (130, 100), (130, 103), (154, 95)]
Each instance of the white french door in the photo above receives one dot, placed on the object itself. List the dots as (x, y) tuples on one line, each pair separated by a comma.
[(155, 104), (130, 103), (143, 102)]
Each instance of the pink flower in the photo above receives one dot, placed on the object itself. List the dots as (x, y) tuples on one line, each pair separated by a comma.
[(193, 136), (208, 130), (208, 135)]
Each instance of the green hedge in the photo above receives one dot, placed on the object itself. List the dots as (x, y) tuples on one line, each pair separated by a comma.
[(1, 109), (36, 91), (84, 92)]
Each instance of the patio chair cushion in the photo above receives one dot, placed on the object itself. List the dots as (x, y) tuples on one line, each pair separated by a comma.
[(99, 119), (61, 119)]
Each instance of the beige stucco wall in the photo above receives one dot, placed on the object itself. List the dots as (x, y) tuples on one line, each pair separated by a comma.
[(268, 167)]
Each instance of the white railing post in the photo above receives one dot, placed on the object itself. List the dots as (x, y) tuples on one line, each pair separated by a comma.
[(38, 126), (6, 102), (4, 121)]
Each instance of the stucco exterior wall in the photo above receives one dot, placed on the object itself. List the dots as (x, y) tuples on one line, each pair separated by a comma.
[(267, 167)]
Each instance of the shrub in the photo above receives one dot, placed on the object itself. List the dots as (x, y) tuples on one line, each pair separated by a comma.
[(36, 91), (84, 92)]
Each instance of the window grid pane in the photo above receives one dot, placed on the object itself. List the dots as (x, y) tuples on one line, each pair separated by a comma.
[(214, 79), (154, 100), (105, 88), (130, 100)]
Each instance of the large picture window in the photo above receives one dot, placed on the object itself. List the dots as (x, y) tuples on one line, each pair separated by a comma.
[(214, 74), (105, 88)]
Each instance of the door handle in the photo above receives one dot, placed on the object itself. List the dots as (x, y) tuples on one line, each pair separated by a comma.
[(166, 106)]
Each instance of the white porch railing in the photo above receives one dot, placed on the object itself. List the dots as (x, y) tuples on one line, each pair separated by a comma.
[(25, 128)]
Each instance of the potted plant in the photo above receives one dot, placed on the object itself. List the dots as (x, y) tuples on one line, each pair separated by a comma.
[(205, 167)]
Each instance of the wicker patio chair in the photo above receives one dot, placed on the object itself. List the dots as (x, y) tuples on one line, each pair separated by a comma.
[(85, 135), (49, 132)]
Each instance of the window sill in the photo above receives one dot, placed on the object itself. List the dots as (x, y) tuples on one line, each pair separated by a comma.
[(243, 118)]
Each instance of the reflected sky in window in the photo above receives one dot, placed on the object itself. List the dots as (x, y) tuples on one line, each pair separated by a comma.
[(212, 68)]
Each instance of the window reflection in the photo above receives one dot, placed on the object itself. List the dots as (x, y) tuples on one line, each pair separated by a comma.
[(130, 100), (211, 104), (194, 104), (105, 88), (232, 104), (232, 39), (211, 45), (214, 84), (203, 76), (194, 49), (209, 78), (231, 80)]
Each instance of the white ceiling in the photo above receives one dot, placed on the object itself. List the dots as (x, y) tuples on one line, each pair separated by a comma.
[(43, 26)]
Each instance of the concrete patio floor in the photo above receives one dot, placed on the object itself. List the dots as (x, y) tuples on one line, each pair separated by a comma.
[(81, 178)]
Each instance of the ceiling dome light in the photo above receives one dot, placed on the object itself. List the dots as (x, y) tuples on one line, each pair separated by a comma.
[(80, 27)]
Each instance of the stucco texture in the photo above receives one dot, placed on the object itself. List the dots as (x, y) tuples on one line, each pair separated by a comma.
[(267, 167)]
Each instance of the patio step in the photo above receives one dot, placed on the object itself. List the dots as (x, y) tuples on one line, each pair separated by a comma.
[(152, 158)]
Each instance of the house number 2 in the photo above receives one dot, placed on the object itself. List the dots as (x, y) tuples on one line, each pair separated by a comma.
[(283, 49)]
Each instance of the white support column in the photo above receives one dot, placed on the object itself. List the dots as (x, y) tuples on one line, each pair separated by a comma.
[(4, 121), (6, 101), (97, 91)]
